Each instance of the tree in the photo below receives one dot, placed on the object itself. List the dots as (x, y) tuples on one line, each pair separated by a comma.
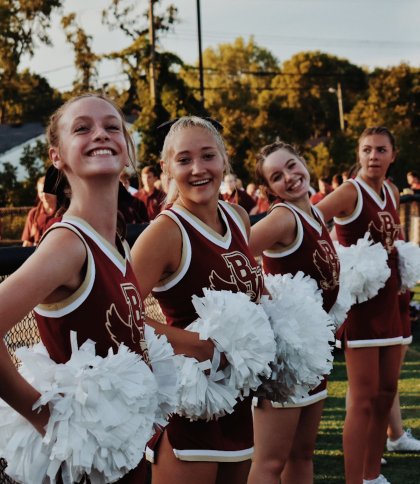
[(22, 24), (35, 99), (85, 59), (305, 80), (8, 184), (238, 93), (173, 97)]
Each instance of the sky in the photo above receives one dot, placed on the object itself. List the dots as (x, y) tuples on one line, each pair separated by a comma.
[(370, 33)]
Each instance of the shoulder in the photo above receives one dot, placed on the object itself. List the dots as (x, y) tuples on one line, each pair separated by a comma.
[(341, 202), (64, 241), (243, 215), (160, 234), (59, 259), (281, 215), (277, 228)]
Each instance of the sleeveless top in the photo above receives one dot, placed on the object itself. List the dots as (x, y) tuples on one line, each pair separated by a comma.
[(312, 252), (380, 315), (209, 260), (106, 308)]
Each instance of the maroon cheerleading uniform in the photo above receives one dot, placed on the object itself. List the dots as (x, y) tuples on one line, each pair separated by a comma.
[(107, 308), (217, 262), (375, 322), (404, 299), (312, 252)]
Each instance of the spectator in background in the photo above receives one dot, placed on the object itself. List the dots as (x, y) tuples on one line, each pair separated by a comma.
[(413, 179), (263, 202), (236, 195), (336, 181), (125, 180), (151, 196), (345, 176), (324, 188), (132, 209), (39, 217), (252, 191)]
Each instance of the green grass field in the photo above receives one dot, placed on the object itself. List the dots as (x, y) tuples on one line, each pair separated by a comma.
[(401, 468)]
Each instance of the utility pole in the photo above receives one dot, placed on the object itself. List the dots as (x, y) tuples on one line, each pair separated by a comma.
[(339, 95), (200, 55), (152, 40), (340, 105)]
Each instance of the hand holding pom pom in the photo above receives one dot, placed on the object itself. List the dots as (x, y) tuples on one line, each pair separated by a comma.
[(303, 332), (363, 269), (241, 330), (102, 414)]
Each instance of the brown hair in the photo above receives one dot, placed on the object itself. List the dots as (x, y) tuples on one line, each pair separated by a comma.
[(266, 151), (53, 131), (378, 130), (150, 169)]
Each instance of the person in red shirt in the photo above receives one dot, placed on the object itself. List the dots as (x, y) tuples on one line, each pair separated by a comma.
[(324, 188), (151, 196), (38, 217), (236, 195)]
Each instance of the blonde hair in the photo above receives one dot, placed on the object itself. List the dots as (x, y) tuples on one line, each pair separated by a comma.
[(184, 123)]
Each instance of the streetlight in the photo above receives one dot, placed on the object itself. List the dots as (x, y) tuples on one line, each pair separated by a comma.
[(340, 103)]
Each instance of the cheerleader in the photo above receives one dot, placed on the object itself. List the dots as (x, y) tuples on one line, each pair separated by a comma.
[(291, 238), (199, 242), (372, 335), (80, 277)]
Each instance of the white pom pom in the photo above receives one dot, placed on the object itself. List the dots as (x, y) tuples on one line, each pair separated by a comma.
[(165, 371), (338, 313), (241, 330), (21, 445), (102, 413), (408, 263), (363, 268), (203, 391), (303, 331)]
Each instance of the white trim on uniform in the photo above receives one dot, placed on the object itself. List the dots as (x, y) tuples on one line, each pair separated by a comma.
[(303, 402), (357, 209), (236, 218), (111, 252), (368, 343), (72, 302), (210, 234), (391, 194), (311, 220), (407, 341), (206, 455), (186, 255), (294, 246), (381, 202)]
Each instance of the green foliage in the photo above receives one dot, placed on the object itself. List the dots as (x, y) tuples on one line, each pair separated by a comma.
[(16, 193), (256, 98), (22, 24), (8, 184), (85, 60), (319, 161)]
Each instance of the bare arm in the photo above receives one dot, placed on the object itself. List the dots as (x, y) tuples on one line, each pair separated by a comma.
[(35, 281), (156, 254), (339, 203), (278, 227)]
